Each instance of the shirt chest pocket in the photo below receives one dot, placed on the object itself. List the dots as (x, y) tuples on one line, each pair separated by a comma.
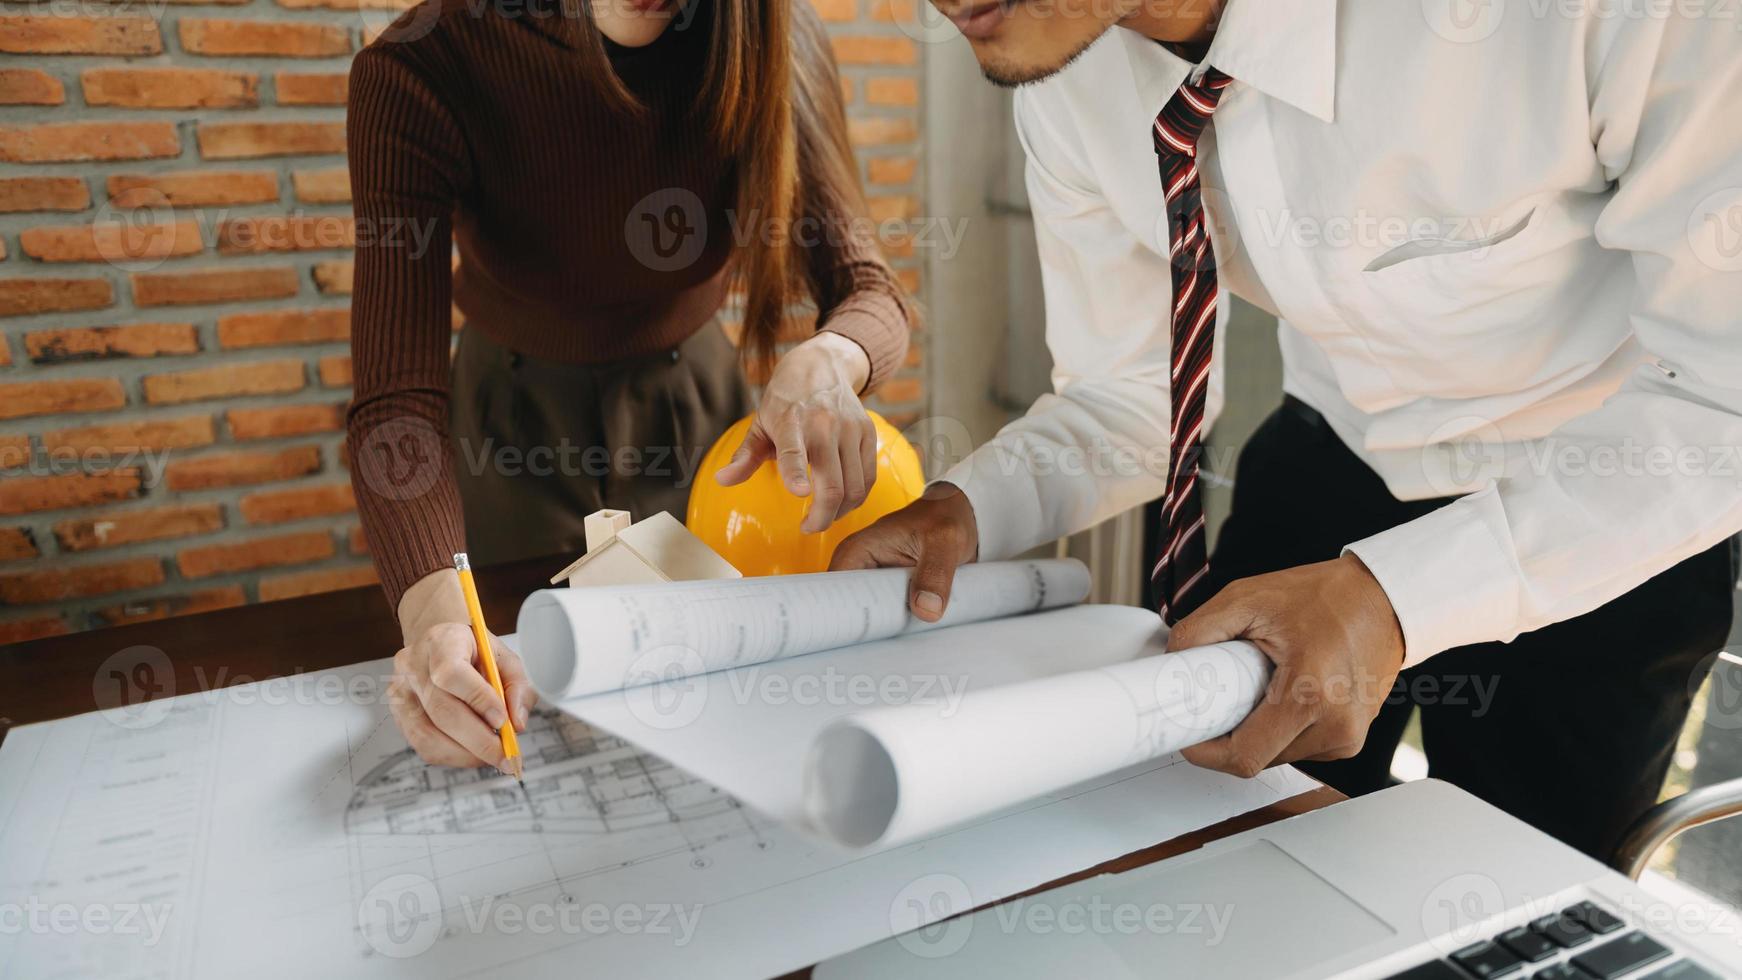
[(1454, 314)]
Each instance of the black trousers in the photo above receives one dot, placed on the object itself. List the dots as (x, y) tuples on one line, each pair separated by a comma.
[(1569, 728)]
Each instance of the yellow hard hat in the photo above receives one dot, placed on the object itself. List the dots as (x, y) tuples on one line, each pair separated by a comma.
[(754, 525)]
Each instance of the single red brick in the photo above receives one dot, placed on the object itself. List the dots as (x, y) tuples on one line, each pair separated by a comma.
[(358, 541), (287, 39), (25, 398), (324, 89), (212, 286), (43, 194), (875, 50), (16, 543), (335, 370), (79, 35), (14, 451), (284, 420), (92, 343), (170, 88), (199, 384), (836, 11), (77, 581), (198, 601), (116, 528), (239, 469), (29, 494), (247, 140), (23, 297), (871, 131), (309, 583), (112, 241), (329, 186), (153, 435), (194, 187), (81, 142), (892, 90), (243, 556), (280, 327), (297, 503), (27, 86), (891, 170)]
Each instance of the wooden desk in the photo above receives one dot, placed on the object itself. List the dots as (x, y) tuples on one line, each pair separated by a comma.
[(52, 678)]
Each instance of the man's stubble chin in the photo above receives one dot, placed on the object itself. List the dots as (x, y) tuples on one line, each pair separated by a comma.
[(1006, 73)]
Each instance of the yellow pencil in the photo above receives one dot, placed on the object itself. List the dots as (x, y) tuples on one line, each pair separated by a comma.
[(510, 745)]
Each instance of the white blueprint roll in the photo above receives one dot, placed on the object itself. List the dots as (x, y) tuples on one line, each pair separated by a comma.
[(892, 774)]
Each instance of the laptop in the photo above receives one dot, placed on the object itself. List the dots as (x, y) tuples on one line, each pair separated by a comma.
[(1420, 881)]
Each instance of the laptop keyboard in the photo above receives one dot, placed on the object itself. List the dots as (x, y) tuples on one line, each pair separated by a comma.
[(1580, 942)]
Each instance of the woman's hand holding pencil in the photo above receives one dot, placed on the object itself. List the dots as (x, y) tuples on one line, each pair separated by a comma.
[(441, 695)]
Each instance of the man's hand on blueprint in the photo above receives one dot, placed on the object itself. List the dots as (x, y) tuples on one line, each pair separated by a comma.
[(439, 696), (933, 534), (1337, 646)]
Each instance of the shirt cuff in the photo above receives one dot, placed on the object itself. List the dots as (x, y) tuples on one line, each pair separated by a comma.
[(1450, 576), (1006, 509)]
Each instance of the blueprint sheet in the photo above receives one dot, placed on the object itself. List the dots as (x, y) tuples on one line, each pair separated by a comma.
[(284, 829)]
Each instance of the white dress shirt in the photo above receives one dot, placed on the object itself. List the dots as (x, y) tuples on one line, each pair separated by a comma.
[(1504, 242)]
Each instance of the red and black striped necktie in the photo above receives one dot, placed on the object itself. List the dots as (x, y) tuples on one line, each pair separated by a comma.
[(1179, 573)]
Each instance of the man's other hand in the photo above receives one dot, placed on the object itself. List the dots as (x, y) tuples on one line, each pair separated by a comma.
[(1337, 647), (933, 534)]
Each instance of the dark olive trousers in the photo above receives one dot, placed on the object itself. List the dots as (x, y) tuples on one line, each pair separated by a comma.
[(1570, 727), (539, 445)]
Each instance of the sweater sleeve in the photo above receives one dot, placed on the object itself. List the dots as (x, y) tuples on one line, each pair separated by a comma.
[(858, 296), (409, 164)]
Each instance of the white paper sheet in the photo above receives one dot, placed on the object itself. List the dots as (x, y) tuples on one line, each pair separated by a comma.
[(891, 730), (283, 829)]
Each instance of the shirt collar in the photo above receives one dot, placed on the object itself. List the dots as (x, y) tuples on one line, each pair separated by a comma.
[(1286, 49)]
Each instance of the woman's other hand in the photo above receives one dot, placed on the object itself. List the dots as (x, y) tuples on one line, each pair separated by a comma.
[(811, 423), (440, 698)]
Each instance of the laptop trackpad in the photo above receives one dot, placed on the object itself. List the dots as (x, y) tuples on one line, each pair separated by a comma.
[(1254, 911)]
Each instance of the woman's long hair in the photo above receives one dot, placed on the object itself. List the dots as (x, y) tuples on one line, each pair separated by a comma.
[(767, 89)]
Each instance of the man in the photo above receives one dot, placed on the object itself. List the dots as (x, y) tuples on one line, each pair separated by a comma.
[(1501, 242)]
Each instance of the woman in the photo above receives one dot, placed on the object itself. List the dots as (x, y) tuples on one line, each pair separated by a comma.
[(603, 172)]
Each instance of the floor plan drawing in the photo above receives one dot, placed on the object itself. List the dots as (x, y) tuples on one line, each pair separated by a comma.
[(283, 829)]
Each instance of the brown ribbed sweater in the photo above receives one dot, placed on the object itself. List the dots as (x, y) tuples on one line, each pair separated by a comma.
[(477, 131)]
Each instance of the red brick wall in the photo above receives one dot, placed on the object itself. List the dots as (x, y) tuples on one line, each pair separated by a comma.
[(173, 283)]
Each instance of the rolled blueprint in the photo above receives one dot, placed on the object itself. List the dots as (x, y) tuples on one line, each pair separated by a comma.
[(586, 641), (891, 774)]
